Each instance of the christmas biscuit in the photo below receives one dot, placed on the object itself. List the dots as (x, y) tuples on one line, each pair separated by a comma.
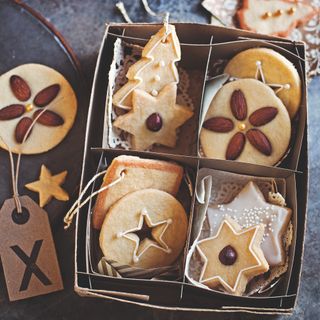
[(138, 174), (247, 122), (24, 93), (271, 68), (48, 186), (274, 17), (248, 208), (154, 119), (232, 257), (145, 228), (154, 70)]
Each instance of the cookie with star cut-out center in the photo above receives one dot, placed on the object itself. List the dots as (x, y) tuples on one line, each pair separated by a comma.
[(154, 120), (275, 70), (145, 228), (232, 257)]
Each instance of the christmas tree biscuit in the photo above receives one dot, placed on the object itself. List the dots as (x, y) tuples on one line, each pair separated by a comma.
[(154, 70)]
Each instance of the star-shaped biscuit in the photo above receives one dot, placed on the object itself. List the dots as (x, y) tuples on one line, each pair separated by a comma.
[(48, 186), (154, 119), (147, 234), (249, 208), (232, 257)]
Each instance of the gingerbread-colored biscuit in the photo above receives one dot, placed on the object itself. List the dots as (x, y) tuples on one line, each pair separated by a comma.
[(145, 228), (138, 174), (272, 68)]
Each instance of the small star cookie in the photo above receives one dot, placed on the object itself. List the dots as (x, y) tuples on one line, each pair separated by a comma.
[(154, 119), (48, 186), (232, 257)]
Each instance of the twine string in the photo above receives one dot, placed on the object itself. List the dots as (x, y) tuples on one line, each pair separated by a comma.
[(276, 86), (78, 204), (121, 7), (15, 170), (123, 11), (14, 189)]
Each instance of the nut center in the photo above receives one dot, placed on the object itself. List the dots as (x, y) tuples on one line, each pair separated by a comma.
[(29, 107), (241, 126)]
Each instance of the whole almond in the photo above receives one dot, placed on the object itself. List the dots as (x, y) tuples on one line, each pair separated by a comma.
[(22, 128), (238, 105), (235, 146), (48, 118), (45, 96), (218, 124), (11, 112), (259, 141), (20, 88), (263, 116)]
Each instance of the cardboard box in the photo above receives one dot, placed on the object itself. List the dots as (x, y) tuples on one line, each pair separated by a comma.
[(207, 43)]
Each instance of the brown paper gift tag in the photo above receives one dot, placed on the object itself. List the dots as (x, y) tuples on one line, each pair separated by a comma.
[(27, 251)]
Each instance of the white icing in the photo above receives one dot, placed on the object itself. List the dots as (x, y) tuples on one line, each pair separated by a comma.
[(154, 92), (250, 208)]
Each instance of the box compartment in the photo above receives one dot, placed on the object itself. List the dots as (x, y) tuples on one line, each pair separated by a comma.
[(171, 295)]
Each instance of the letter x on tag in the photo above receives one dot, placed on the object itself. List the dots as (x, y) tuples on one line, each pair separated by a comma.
[(27, 251), (31, 266)]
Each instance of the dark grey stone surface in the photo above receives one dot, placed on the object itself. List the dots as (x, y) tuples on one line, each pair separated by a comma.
[(82, 24)]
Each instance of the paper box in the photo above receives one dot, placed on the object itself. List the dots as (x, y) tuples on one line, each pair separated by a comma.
[(201, 45)]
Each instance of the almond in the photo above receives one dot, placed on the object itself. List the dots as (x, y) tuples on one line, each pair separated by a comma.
[(45, 96), (259, 141), (238, 105), (263, 116), (22, 128), (235, 146), (20, 88), (11, 112), (219, 124), (48, 118)]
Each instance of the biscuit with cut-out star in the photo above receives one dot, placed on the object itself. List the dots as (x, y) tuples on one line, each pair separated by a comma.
[(145, 229), (232, 257), (154, 119), (49, 186)]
